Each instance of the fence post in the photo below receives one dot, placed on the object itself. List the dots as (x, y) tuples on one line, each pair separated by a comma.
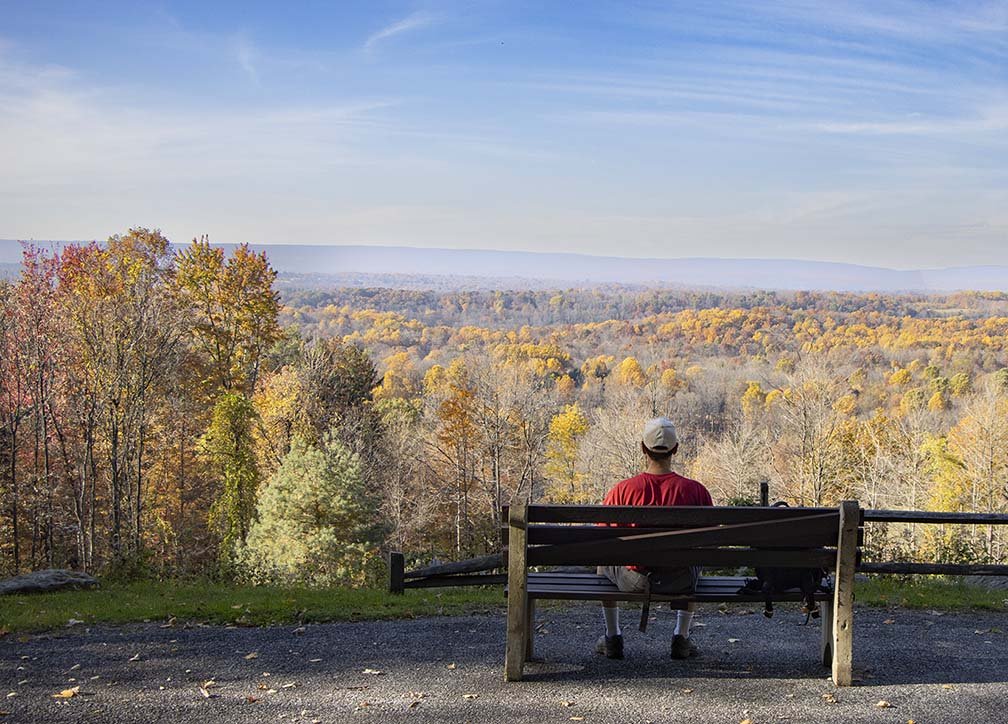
[(764, 493), (517, 612), (843, 593), (397, 572)]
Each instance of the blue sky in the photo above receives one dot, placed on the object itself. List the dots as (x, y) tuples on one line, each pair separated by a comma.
[(874, 133)]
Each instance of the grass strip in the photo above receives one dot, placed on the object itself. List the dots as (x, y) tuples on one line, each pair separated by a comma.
[(929, 592), (228, 604), (218, 603)]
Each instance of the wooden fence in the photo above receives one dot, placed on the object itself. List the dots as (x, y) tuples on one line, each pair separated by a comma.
[(474, 572)]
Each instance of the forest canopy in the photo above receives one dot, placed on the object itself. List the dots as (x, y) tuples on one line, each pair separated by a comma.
[(166, 412)]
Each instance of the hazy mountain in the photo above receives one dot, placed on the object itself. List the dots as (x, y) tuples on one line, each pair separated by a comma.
[(314, 265)]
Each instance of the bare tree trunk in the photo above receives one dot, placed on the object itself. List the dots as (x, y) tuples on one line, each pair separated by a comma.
[(15, 528), (115, 488)]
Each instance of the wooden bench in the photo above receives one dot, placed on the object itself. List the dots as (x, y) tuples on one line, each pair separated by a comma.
[(715, 537)]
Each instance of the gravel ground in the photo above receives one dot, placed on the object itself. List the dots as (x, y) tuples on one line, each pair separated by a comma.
[(928, 667)]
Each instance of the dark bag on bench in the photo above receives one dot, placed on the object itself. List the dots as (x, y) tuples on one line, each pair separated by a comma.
[(780, 580), (770, 580)]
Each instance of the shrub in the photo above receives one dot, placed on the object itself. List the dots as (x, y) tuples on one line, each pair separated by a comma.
[(316, 521)]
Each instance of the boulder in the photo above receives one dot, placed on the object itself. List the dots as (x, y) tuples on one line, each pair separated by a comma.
[(52, 579), (992, 582)]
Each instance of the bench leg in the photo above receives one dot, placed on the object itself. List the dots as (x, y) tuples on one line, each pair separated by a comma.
[(843, 594), (517, 611), (826, 646), (530, 629)]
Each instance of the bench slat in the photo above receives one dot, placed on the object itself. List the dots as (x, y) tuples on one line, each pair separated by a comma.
[(802, 532), (665, 516), (551, 533), (709, 589), (710, 557)]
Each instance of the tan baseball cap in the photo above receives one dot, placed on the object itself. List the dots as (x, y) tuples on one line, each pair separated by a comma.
[(660, 435)]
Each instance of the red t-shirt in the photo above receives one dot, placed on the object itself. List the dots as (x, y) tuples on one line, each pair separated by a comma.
[(648, 489), (667, 489)]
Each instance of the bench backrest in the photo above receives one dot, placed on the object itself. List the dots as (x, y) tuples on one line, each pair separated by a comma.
[(673, 536)]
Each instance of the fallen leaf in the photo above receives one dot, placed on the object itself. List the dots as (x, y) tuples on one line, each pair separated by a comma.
[(73, 622), (577, 718), (253, 655), (746, 721), (67, 693), (135, 657), (206, 694), (451, 665), (373, 672), (74, 667), (888, 621), (829, 699), (687, 691), (883, 704), (251, 699), (469, 696), (566, 703), (733, 641), (414, 705), (209, 684), (289, 685), (948, 686), (314, 661)]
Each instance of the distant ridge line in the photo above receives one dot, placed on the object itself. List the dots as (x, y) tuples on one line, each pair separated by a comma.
[(584, 269)]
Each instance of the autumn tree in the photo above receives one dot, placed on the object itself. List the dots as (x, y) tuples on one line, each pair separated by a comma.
[(235, 309), (227, 448), (567, 428)]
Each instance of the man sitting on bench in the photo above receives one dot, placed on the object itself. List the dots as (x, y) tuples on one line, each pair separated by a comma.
[(657, 485)]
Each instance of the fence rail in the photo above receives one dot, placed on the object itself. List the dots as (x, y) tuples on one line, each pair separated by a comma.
[(478, 571), (934, 569), (933, 518), (927, 516)]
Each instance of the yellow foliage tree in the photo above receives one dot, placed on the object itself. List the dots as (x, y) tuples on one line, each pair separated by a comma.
[(900, 378), (938, 402), (565, 433), (671, 380), (629, 372), (753, 399)]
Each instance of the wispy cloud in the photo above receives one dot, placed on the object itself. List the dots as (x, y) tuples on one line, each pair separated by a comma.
[(991, 120), (412, 22), (245, 56)]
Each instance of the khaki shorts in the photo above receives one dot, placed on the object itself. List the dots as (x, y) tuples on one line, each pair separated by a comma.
[(669, 580)]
